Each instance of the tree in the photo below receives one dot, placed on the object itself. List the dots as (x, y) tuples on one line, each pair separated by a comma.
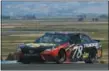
[(103, 16), (95, 19)]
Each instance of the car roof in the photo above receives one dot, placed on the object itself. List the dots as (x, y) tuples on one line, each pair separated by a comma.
[(65, 33)]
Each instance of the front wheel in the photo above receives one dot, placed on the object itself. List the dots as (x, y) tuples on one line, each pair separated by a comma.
[(24, 60), (61, 57)]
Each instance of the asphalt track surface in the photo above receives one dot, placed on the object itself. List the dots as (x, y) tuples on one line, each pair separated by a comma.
[(54, 66)]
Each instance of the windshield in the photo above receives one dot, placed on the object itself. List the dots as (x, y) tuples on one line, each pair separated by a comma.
[(53, 38)]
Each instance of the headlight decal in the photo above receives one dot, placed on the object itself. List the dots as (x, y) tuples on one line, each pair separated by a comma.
[(48, 49)]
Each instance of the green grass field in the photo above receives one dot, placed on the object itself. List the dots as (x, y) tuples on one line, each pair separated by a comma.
[(11, 40)]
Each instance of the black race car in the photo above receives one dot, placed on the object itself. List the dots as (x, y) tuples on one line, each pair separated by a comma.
[(61, 47)]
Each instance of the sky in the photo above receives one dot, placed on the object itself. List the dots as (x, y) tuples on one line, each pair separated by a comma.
[(53, 8)]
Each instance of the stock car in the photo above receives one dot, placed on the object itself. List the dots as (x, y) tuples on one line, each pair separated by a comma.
[(60, 47)]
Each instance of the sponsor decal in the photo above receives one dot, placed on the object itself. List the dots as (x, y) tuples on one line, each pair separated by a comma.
[(85, 55), (91, 45), (31, 54), (39, 44), (69, 47)]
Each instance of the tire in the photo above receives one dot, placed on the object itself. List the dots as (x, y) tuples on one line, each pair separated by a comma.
[(25, 60), (92, 58), (61, 57)]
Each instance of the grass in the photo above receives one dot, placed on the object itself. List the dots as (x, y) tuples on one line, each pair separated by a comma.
[(11, 40)]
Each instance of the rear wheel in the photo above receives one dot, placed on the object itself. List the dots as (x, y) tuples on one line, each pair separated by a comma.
[(92, 57), (61, 57)]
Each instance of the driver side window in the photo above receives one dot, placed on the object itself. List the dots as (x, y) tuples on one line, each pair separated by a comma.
[(75, 39), (85, 39)]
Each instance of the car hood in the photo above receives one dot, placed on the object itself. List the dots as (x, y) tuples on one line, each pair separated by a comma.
[(36, 45)]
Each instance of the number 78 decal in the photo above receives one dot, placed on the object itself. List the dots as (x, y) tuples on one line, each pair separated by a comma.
[(77, 51)]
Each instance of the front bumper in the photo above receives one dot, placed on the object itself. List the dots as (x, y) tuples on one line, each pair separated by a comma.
[(29, 57), (46, 56)]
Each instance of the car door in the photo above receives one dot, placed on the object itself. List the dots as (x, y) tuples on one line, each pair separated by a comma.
[(76, 50), (86, 41)]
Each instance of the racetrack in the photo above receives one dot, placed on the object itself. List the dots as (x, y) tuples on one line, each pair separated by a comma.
[(53, 66), (12, 37)]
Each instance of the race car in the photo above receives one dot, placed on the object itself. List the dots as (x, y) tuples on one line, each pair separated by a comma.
[(60, 47)]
